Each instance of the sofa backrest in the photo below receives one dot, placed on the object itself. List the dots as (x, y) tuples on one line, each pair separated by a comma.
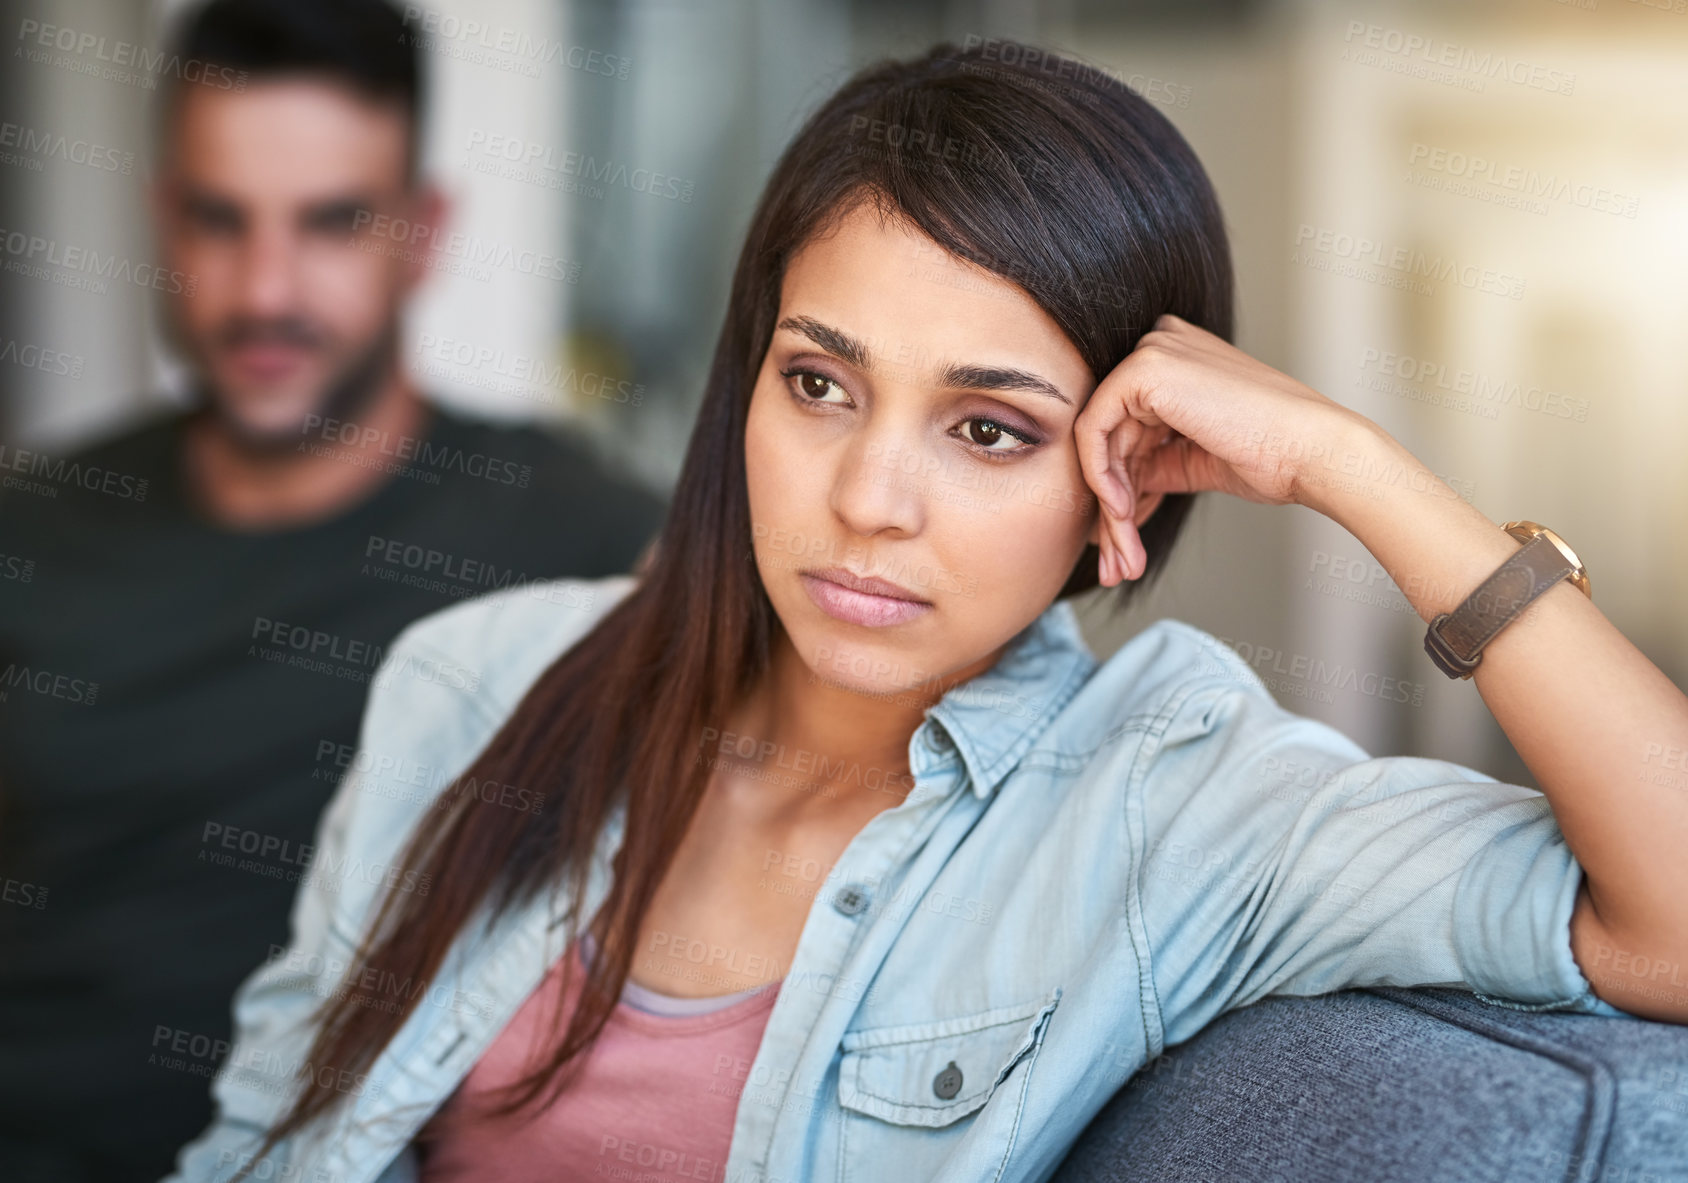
[(1399, 1086)]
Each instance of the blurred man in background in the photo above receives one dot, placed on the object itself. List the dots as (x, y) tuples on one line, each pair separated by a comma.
[(201, 602)]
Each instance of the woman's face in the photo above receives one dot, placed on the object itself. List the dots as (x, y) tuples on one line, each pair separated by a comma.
[(912, 422)]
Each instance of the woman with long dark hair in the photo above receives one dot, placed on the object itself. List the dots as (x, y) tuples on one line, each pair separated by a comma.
[(823, 848)]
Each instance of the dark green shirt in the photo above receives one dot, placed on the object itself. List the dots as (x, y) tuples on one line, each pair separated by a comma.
[(178, 701)]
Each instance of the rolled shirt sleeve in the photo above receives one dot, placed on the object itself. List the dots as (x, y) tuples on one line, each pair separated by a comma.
[(1277, 857)]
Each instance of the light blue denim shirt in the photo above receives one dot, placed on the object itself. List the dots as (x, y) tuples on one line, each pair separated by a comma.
[(1096, 859)]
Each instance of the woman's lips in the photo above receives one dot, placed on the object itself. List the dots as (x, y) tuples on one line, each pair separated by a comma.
[(864, 601)]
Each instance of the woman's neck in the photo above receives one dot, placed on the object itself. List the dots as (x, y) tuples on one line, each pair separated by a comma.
[(823, 739)]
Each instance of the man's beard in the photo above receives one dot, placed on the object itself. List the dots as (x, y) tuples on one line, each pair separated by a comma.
[(348, 394)]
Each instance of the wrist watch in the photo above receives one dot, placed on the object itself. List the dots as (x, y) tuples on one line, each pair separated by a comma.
[(1455, 639)]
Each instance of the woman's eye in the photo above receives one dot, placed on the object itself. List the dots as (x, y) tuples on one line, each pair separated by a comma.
[(813, 387), (993, 436), (986, 435)]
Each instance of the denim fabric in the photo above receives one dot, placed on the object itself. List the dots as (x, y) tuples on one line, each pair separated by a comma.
[(1095, 861)]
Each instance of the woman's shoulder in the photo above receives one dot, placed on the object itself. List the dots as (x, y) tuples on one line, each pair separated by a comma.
[(493, 647), (1166, 663), (1196, 698), (1166, 678), (444, 687)]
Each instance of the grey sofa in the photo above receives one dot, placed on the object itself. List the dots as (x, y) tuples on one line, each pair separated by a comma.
[(1399, 1086)]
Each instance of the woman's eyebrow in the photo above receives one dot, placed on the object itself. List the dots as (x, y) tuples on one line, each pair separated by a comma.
[(960, 377), (835, 341), (953, 376)]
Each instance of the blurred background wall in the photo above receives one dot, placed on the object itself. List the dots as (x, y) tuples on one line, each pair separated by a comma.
[(1539, 142)]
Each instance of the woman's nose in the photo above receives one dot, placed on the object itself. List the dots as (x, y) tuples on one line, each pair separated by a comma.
[(883, 483)]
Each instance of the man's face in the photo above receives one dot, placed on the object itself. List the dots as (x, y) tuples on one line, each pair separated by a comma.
[(268, 197)]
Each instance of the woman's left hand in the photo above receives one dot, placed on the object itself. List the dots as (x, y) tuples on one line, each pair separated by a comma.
[(1187, 411)]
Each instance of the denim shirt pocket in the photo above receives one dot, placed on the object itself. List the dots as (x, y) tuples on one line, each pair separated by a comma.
[(916, 1094)]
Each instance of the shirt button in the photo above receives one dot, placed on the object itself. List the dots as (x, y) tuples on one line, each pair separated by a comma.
[(851, 900), (948, 1082)]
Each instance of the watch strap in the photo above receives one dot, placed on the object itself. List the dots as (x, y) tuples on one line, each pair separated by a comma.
[(1455, 639)]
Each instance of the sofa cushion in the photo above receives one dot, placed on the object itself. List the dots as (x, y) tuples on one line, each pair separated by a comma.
[(1399, 1086)]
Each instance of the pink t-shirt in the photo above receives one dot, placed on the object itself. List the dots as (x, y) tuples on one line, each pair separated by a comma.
[(655, 1100)]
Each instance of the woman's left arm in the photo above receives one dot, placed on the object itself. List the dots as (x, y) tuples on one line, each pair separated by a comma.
[(1589, 714)]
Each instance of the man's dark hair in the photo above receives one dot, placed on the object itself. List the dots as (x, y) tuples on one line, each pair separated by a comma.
[(365, 45)]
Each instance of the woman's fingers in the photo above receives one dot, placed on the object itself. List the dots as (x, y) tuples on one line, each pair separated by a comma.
[(1135, 449), (1180, 466), (1130, 557), (1106, 457), (1114, 426), (1160, 462), (1094, 436)]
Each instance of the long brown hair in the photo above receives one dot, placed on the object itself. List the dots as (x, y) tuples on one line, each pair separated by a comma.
[(1041, 169)]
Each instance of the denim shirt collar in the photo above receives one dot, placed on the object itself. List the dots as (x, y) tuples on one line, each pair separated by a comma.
[(993, 719)]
